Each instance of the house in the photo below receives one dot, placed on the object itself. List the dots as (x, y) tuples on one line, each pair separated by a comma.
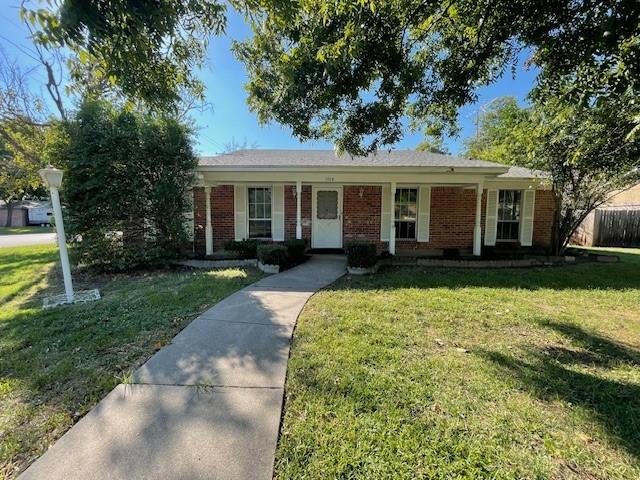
[(403, 201), (26, 212), (614, 224)]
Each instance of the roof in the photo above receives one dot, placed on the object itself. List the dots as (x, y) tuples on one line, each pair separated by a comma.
[(521, 172), (263, 158), (328, 158)]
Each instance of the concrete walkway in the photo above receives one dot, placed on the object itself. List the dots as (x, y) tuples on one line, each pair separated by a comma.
[(207, 406)]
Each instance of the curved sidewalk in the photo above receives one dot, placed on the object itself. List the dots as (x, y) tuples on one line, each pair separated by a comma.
[(206, 406)]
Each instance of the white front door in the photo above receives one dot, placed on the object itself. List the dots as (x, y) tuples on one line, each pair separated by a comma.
[(326, 230)]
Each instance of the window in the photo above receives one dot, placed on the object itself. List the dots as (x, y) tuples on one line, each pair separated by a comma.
[(259, 212), (406, 210), (508, 215), (327, 205)]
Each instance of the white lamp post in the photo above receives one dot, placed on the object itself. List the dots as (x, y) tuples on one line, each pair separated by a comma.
[(52, 178)]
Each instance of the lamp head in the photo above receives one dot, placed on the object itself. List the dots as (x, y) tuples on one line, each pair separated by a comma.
[(51, 176)]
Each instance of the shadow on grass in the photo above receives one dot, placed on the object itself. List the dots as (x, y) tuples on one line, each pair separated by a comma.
[(550, 373)]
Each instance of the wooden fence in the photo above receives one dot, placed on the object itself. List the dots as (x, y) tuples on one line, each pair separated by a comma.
[(617, 227)]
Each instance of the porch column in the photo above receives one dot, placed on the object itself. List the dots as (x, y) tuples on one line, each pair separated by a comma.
[(392, 227), (208, 229), (299, 210), (477, 229)]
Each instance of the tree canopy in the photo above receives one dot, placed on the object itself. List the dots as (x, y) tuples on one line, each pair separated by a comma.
[(148, 49), (126, 178), (349, 71), (584, 149)]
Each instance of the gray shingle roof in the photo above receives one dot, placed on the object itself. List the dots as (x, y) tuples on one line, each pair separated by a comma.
[(327, 158), (521, 172)]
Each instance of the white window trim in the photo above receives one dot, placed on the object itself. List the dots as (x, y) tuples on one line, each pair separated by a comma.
[(393, 214), (246, 196), (519, 221)]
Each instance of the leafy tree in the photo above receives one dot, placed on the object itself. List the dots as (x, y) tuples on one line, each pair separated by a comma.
[(585, 150), (349, 71), (433, 145), (494, 140), (126, 178), (19, 166), (147, 49)]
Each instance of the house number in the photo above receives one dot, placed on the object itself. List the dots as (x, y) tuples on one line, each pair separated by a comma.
[(329, 179)]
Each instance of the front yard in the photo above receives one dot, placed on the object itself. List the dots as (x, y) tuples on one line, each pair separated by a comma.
[(506, 374), (56, 364)]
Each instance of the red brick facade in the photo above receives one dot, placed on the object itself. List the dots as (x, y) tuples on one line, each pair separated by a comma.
[(452, 217), (221, 217), (361, 212), (290, 208), (199, 218), (543, 218)]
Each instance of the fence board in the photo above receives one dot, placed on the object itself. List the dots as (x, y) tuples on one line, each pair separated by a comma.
[(618, 227)]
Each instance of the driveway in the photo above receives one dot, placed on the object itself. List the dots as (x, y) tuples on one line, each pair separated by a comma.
[(206, 406), (27, 239)]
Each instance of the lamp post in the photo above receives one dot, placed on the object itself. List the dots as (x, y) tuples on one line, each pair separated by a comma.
[(52, 178)]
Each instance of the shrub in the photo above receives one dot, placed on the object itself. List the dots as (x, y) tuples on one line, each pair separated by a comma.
[(247, 248), (272, 254), (295, 250), (361, 254), (126, 178)]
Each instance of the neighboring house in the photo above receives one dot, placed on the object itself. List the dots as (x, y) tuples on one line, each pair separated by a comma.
[(403, 201), (26, 212), (615, 224)]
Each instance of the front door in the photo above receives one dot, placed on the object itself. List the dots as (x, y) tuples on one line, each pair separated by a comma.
[(326, 230)]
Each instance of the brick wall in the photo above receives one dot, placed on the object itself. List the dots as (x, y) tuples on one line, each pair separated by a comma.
[(361, 215), (199, 216), (452, 220), (221, 217), (543, 218), (290, 209)]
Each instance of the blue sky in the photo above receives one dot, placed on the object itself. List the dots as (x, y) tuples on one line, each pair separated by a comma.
[(229, 117)]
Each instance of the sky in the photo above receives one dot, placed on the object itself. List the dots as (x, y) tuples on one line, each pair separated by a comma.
[(228, 116)]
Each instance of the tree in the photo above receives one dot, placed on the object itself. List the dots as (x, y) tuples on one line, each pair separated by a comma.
[(494, 140), (350, 71), (433, 145), (584, 149), (148, 50), (19, 170), (126, 178)]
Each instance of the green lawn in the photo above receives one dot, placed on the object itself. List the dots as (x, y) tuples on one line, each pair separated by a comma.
[(452, 374), (56, 364), (23, 230)]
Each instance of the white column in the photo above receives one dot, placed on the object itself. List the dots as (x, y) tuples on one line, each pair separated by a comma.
[(392, 227), (62, 244), (299, 210), (208, 229), (477, 229)]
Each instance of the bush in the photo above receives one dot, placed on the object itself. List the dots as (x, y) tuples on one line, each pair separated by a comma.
[(272, 254), (361, 254), (295, 250), (247, 248), (126, 178)]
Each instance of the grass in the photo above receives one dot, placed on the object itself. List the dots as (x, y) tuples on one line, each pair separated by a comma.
[(23, 230), (465, 374), (57, 364)]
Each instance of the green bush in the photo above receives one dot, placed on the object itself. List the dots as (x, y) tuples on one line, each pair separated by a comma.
[(361, 254), (126, 178), (272, 254), (296, 250), (247, 248)]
